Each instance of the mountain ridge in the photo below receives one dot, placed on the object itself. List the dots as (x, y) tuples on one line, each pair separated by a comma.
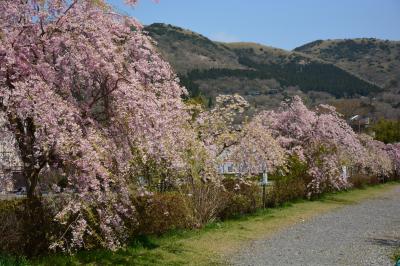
[(266, 75), (373, 59)]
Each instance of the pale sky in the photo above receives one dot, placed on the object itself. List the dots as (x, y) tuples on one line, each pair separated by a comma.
[(280, 23)]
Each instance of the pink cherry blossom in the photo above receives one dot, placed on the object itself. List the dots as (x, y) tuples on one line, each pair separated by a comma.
[(319, 137), (81, 86)]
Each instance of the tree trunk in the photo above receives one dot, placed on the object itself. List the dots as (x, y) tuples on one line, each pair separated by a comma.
[(25, 136)]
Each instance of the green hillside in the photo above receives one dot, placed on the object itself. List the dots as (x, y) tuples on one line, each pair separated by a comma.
[(375, 60), (187, 50), (267, 75)]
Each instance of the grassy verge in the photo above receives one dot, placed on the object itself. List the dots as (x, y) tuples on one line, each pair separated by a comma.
[(6, 260), (211, 245)]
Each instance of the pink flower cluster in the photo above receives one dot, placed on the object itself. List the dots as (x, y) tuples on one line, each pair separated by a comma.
[(324, 140), (80, 87)]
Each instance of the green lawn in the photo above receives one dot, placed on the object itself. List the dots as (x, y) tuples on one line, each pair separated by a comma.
[(211, 245)]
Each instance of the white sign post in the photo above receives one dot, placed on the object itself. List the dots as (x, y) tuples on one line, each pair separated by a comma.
[(344, 172), (264, 182)]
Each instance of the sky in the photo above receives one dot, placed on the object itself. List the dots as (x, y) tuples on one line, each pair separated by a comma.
[(279, 23)]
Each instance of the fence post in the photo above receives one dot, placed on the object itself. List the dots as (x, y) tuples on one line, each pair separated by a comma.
[(264, 184), (263, 196)]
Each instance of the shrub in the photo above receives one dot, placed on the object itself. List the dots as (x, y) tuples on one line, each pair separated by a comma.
[(362, 180), (394, 176), (11, 226), (289, 184), (160, 212), (286, 189), (25, 227), (241, 198), (206, 201)]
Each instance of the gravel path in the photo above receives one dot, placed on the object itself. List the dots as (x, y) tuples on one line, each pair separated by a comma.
[(361, 234)]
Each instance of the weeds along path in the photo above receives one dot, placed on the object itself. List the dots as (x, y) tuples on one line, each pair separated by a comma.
[(365, 233)]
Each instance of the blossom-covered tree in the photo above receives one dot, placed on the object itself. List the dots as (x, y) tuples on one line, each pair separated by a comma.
[(81, 87), (256, 151), (321, 138), (219, 127), (228, 135), (377, 160), (393, 151), (332, 129), (292, 125)]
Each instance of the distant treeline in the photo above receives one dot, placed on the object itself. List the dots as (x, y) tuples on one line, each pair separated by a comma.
[(312, 76), (387, 131)]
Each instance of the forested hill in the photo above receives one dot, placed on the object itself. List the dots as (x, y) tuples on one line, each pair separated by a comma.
[(263, 74), (377, 61)]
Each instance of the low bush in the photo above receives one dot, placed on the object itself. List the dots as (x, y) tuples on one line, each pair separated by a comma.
[(362, 180), (393, 177), (11, 226), (194, 206), (241, 198), (39, 226), (286, 189), (25, 227), (206, 201), (288, 184), (160, 212)]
